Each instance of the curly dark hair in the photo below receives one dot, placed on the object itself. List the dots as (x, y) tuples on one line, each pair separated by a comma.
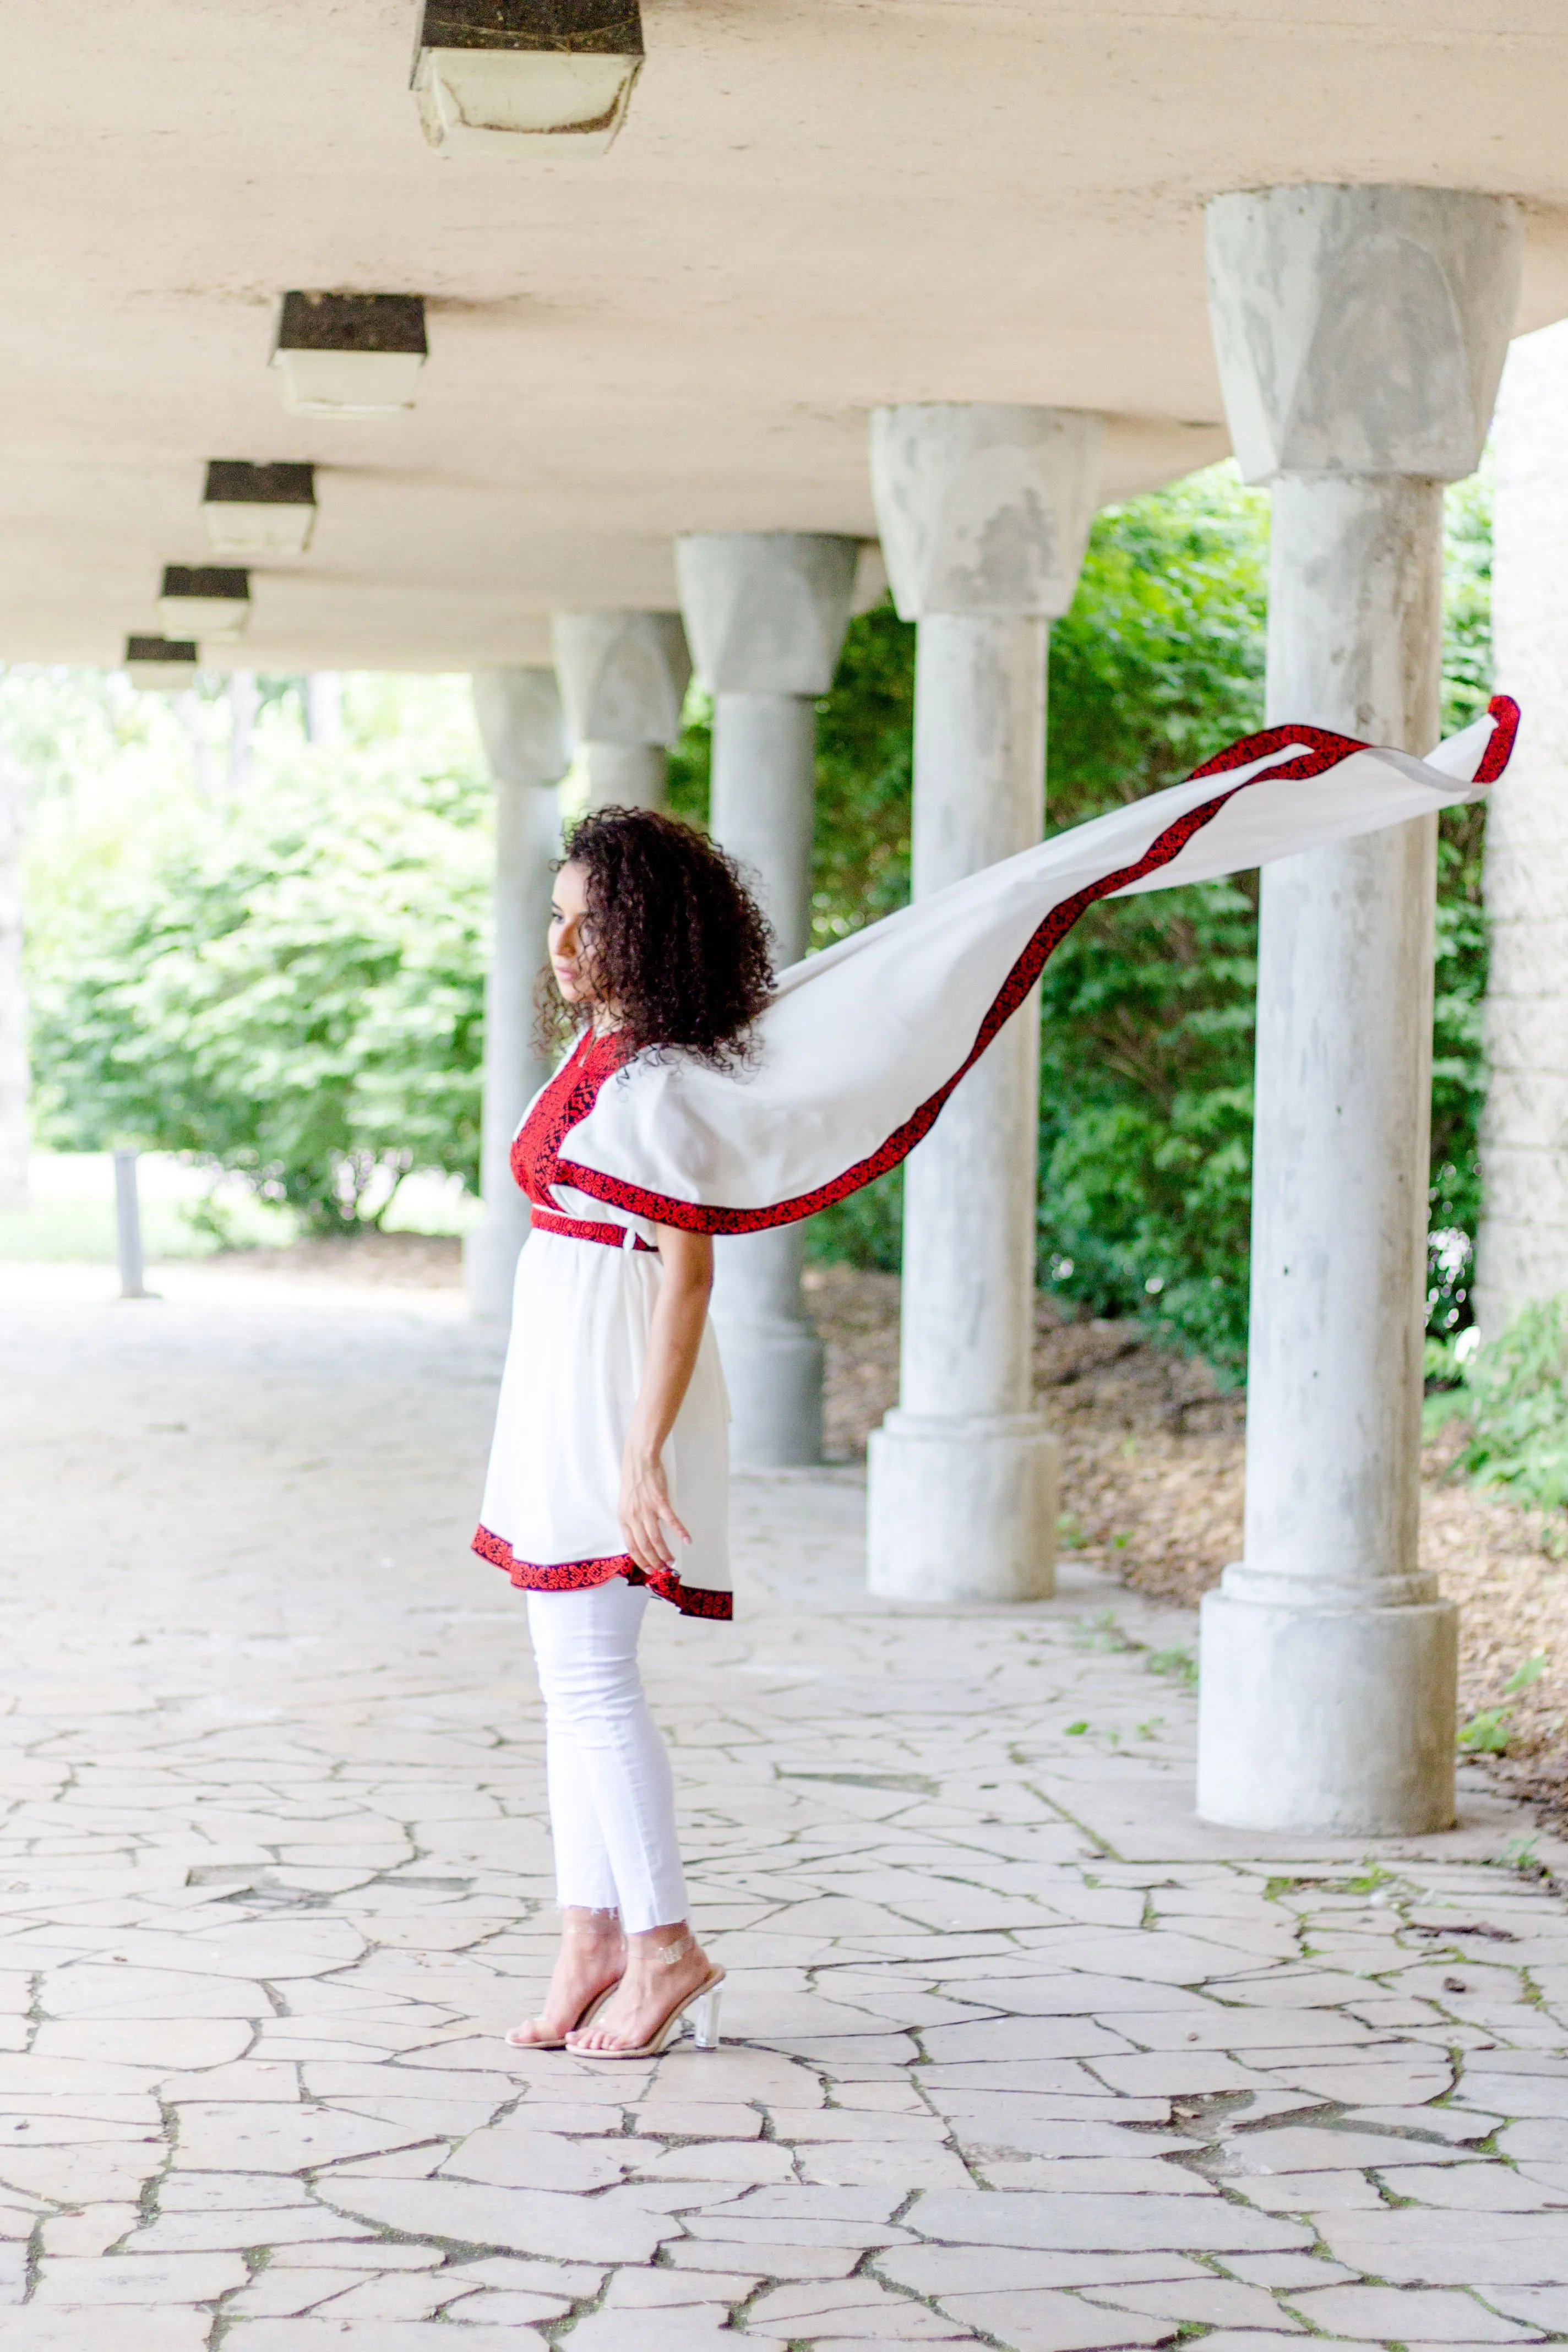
[(674, 938)]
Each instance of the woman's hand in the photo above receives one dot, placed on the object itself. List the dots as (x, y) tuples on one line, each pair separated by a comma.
[(645, 1511)]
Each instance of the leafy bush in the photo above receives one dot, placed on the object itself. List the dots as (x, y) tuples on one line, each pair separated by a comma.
[(1146, 1096), (294, 990), (1516, 1396)]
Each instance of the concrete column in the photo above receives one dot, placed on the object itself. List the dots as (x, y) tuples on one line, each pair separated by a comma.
[(766, 612), (325, 708), (15, 1131), (623, 680), (244, 702), (1360, 334), (1521, 1251), (985, 513), (520, 722)]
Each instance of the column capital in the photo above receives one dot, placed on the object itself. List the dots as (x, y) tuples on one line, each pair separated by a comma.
[(1361, 330), (984, 508), (766, 610), (522, 725), (623, 675)]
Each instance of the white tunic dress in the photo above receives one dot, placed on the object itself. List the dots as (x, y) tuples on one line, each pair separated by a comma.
[(580, 1310), (856, 1055)]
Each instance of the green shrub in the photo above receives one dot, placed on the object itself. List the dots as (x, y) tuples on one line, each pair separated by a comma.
[(1516, 1397), (293, 989), (1486, 1734)]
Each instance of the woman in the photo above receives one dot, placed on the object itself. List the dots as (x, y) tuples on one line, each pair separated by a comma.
[(608, 1478), (699, 1103)]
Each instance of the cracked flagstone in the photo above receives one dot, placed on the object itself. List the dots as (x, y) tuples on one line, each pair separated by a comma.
[(1022, 2055)]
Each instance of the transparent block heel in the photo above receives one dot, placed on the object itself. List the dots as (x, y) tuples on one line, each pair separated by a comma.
[(700, 2006), (705, 2019)]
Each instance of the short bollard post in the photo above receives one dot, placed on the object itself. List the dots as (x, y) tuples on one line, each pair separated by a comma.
[(128, 1225)]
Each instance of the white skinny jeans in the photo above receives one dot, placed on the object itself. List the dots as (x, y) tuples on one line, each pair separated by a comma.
[(612, 1795)]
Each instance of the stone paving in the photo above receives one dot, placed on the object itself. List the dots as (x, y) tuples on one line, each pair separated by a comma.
[(1021, 2055)]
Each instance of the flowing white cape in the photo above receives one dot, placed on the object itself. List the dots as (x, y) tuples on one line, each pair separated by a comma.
[(863, 1043)]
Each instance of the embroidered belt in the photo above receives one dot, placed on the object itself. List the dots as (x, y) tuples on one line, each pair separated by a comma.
[(584, 1229)]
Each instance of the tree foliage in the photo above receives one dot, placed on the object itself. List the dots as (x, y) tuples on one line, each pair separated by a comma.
[(294, 989)]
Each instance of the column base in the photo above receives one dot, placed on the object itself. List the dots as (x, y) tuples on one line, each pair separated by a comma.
[(773, 1373), (962, 1507), (489, 1262), (1332, 1722)]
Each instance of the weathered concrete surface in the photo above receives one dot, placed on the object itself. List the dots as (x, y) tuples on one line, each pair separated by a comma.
[(985, 506), (1026, 2055), (523, 729), (1360, 334), (1362, 331), (623, 678), (985, 511), (765, 613)]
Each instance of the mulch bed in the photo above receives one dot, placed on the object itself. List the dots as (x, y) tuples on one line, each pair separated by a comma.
[(402, 1261), (1152, 1489)]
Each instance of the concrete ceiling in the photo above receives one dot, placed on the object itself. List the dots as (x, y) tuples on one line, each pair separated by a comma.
[(816, 206)]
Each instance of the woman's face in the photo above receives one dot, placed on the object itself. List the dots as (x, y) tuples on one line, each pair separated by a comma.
[(568, 960)]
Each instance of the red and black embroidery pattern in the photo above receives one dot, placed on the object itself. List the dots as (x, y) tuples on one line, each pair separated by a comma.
[(535, 1164), (584, 1229), (535, 1143), (582, 1575)]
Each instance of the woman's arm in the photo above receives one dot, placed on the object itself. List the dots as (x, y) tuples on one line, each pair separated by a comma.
[(673, 1339)]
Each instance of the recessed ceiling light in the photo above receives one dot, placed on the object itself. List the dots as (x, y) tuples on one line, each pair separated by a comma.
[(350, 354), (160, 664), (258, 509), (204, 600), (525, 76)]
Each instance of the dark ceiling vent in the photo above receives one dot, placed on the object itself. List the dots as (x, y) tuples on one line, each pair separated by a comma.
[(526, 77), (350, 354)]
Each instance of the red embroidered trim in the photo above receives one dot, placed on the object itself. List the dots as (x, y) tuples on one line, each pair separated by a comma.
[(536, 1163), (584, 1228), (1328, 748), (1500, 751), (533, 1151), (582, 1575)]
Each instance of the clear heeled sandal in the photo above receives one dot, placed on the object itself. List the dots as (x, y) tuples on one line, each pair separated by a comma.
[(589, 2011), (519, 2037), (701, 2004)]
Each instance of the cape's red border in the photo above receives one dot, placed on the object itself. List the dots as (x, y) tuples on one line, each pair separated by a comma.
[(1500, 751), (582, 1575), (1322, 750)]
